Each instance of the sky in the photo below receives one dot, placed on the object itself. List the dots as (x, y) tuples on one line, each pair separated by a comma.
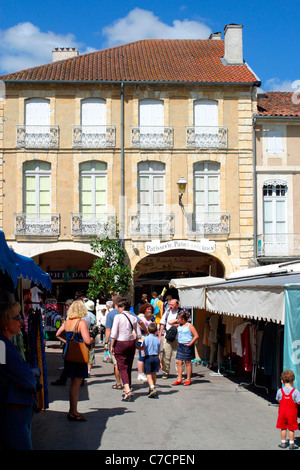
[(29, 30)]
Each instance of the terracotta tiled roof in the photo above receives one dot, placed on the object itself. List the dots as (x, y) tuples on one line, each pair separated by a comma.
[(178, 60), (277, 103)]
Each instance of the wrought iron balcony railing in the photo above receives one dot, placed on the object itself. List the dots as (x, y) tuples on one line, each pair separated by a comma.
[(207, 223), (84, 225), (151, 225), (152, 137), (206, 137), (94, 136), (277, 245), (37, 136), (39, 225)]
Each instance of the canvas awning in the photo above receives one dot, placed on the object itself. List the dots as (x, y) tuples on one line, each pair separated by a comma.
[(17, 266), (192, 290), (259, 298), (27, 269), (7, 262)]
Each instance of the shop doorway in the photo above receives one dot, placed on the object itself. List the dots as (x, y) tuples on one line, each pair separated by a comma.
[(155, 272)]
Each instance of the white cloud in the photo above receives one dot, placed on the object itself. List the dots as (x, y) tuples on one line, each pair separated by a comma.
[(25, 45), (275, 84), (143, 24)]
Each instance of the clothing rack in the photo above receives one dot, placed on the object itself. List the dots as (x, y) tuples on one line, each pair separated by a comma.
[(253, 381)]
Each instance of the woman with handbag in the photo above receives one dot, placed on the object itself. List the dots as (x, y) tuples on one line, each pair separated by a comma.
[(75, 335), (124, 334)]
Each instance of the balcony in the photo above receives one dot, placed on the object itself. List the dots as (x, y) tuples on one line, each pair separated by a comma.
[(146, 226), (206, 137), (206, 223), (156, 137), (37, 225), (278, 245), (37, 136), (94, 136), (86, 225)]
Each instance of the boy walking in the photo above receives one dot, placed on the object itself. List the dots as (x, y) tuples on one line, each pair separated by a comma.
[(151, 346), (289, 399)]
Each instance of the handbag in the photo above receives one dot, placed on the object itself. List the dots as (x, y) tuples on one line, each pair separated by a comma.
[(171, 334), (77, 351)]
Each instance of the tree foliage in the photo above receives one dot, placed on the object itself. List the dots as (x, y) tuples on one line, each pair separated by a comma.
[(110, 272)]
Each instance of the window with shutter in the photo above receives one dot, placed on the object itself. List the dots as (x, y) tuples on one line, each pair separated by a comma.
[(151, 187), (93, 189), (274, 217), (37, 189)]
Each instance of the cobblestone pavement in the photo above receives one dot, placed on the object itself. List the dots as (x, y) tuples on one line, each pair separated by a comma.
[(210, 414)]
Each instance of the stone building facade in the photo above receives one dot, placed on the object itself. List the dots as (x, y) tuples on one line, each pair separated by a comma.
[(111, 134)]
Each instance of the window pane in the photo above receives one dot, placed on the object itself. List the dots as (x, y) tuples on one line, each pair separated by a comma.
[(213, 182), (158, 183), (30, 183), (268, 212), (100, 198), (199, 183), (280, 211), (86, 197), (144, 183), (86, 183), (44, 183), (158, 197), (100, 183)]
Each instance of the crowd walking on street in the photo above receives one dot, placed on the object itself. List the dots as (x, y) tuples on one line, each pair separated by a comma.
[(125, 333)]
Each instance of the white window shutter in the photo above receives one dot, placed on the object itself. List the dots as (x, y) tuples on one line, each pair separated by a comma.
[(93, 115), (37, 115), (206, 113)]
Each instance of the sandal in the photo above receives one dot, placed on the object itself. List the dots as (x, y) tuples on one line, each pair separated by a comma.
[(117, 387), (127, 396), (72, 417)]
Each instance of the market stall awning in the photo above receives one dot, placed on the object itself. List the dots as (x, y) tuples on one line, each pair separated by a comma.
[(191, 290), (7, 262), (260, 297), (17, 266), (28, 269)]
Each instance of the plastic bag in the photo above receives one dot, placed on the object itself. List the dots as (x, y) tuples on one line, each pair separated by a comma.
[(107, 357)]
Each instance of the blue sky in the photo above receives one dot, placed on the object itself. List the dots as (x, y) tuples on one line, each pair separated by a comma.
[(29, 30)]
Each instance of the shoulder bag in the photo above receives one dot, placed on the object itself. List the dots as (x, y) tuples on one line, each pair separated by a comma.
[(76, 351)]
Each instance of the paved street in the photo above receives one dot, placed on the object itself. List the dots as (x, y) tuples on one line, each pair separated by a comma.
[(208, 415)]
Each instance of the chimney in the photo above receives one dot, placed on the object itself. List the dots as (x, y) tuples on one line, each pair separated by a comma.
[(61, 53), (215, 36), (233, 38)]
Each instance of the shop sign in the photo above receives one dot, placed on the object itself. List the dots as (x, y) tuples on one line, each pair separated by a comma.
[(69, 275), (203, 246)]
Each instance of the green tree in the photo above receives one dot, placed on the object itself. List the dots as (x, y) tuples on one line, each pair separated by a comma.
[(110, 272)]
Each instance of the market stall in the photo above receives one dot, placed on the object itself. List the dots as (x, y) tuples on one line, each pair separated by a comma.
[(248, 314), (19, 274)]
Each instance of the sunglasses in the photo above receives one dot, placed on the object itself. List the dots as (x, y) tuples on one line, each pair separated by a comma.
[(17, 318)]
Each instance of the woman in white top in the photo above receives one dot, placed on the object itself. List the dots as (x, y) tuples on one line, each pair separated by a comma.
[(124, 333)]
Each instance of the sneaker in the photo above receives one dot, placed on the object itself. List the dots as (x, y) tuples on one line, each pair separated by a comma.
[(142, 377), (284, 445), (293, 446), (153, 393)]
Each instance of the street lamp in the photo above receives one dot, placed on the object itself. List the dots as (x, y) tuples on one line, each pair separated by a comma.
[(181, 183)]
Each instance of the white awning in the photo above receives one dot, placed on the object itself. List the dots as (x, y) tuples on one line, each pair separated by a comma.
[(258, 298), (192, 290)]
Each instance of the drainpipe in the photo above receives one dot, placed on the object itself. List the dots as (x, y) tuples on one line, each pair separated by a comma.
[(122, 167), (254, 194)]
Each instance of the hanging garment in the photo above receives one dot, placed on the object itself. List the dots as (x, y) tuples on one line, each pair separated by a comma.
[(246, 348)]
